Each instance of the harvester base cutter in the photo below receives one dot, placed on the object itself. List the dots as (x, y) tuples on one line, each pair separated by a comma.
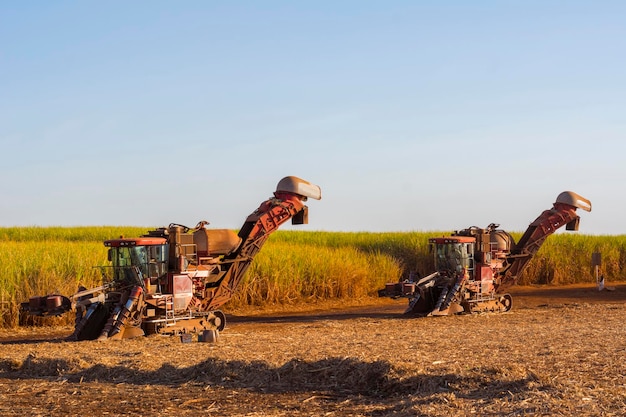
[(423, 304)]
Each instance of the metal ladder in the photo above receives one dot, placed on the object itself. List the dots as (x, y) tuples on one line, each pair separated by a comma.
[(170, 319)]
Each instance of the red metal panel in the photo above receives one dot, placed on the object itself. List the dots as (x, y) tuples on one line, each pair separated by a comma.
[(182, 291), (452, 239), (140, 241)]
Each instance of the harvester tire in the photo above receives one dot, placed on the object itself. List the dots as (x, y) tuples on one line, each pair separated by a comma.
[(221, 320), (507, 302)]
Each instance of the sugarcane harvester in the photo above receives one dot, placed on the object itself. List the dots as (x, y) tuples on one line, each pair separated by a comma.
[(474, 267), (173, 280)]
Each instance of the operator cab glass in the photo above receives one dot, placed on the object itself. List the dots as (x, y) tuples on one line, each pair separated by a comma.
[(454, 257), (150, 262)]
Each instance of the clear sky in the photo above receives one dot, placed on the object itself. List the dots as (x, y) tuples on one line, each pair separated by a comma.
[(410, 115)]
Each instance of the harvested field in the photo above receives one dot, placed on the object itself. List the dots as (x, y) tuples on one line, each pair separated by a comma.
[(559, 351)]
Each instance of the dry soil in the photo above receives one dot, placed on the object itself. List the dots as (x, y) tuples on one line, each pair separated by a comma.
[(559, 351)]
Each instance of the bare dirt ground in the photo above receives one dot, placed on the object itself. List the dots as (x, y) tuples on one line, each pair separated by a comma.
[(559, 351)]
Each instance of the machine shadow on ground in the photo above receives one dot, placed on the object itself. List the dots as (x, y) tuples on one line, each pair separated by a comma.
[(334, 377)]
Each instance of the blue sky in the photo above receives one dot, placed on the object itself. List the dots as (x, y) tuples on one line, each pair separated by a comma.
[(410, 115)]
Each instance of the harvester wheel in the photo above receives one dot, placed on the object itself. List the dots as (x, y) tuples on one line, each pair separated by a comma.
[(220, 320), (507, 302)]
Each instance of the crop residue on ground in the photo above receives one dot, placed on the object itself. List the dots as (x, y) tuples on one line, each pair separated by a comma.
[(552, 359)]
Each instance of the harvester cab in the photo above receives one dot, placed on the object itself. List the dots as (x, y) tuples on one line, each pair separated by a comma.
[(135, 261), (453, 255)]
